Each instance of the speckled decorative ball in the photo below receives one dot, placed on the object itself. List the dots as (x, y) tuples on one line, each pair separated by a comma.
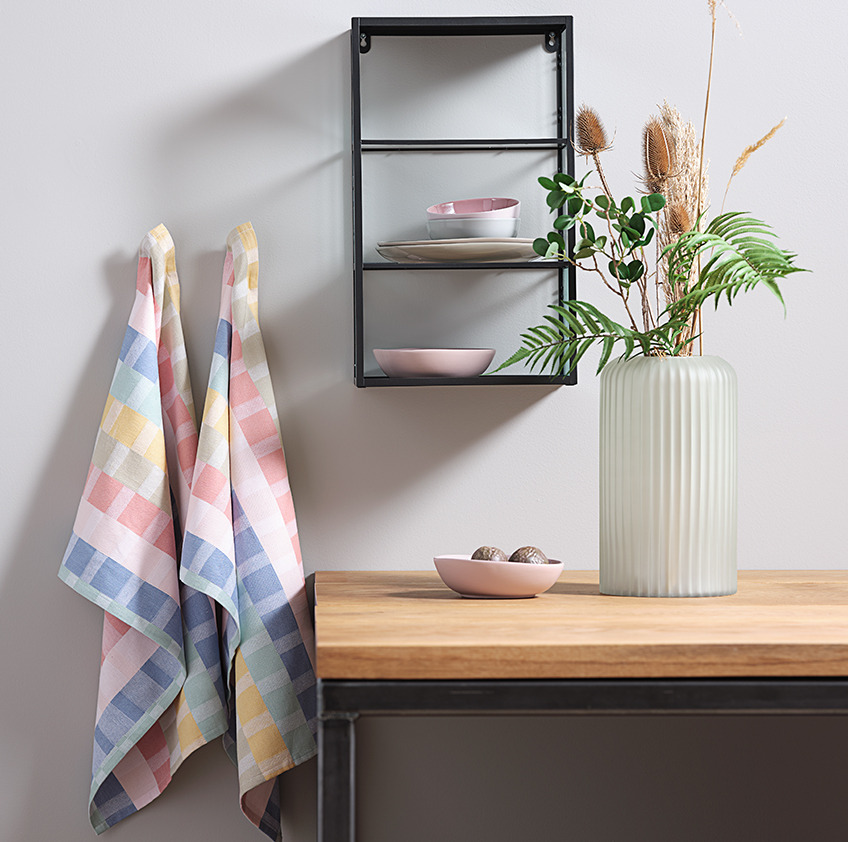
[(529, 555), (489, 554)]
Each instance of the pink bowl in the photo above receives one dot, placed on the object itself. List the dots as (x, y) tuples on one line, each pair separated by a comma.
[(434, 362), (496, 579), (475, 209)]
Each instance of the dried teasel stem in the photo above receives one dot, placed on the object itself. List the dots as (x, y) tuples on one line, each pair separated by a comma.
[(657, 161), (677, 219), (657, 155), (591, 134), (676, 223), (600, 170), (592, 140)]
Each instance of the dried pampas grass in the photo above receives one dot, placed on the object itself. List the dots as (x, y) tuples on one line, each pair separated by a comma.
[(747, 152), (682, 186), (680, 190), (687, 180)]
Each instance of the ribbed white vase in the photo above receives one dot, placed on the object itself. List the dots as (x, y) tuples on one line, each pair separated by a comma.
[(668, 477)]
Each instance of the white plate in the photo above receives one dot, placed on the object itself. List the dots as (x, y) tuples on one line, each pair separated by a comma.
[(481, 249)]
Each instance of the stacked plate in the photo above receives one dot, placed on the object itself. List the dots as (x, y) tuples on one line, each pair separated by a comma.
[(475, 230), (474, 249)]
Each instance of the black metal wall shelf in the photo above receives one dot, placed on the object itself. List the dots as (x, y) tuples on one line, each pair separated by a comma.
[(557, 38)]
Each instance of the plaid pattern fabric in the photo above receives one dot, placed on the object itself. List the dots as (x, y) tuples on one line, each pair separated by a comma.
[(241, 549), (161, 693)]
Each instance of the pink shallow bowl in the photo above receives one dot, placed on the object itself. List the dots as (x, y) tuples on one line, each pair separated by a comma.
[(496, 579), (434, 362), (488, 208)]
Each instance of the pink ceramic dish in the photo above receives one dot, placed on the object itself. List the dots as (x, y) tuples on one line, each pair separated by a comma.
[(434, 362), (496, 579), (488, 208)]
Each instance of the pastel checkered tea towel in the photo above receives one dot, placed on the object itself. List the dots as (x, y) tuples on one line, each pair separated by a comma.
[(242, 549), (161, 695)]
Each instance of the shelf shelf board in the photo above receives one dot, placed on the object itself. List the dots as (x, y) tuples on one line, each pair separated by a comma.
[(549, 265), (483, 380), (522, 144), (463, 26)]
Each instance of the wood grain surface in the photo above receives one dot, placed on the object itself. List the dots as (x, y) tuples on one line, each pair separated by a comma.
[(408, 625)]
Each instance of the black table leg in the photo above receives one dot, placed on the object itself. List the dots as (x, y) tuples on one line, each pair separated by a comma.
[(336, 769)]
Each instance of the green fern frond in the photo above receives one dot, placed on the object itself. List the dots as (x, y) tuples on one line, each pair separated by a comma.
[(572, 328), (742, 255)]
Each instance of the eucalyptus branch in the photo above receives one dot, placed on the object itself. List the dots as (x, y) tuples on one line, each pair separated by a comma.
[(623, 294), (657, 279), (597, 269), (737, 254), (642, 285), (628, 232)]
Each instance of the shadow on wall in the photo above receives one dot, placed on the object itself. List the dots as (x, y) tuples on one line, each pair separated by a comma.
[(366, 447), (349, 451), (262, 154), (50, 659), (51, 656), (249, 151), (332, 430)]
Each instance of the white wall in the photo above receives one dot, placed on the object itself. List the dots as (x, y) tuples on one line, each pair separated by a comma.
[(202, 115)]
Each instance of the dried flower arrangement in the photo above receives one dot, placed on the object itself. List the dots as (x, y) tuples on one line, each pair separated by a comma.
[(695, 261)]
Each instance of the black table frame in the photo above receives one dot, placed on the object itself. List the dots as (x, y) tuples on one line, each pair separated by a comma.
[(342, 702)]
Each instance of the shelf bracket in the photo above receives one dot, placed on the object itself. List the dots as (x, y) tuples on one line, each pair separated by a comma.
[(551, 42), (364, 42)]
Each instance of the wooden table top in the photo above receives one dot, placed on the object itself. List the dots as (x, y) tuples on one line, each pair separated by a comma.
[(408, 625)]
